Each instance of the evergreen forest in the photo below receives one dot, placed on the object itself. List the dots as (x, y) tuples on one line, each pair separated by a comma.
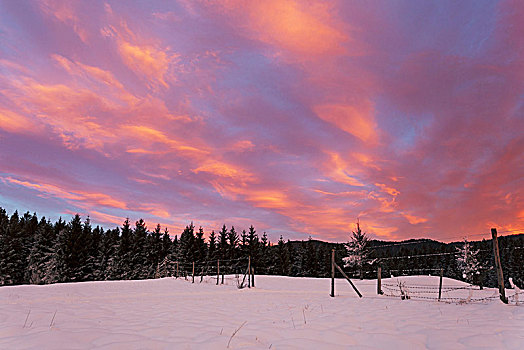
[(37, 251)]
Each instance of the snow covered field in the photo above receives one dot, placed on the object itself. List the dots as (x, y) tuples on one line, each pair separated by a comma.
[(281, 313)]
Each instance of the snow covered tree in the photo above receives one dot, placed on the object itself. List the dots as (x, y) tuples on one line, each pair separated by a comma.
[(467, 261), (41, 253), (357, 251)]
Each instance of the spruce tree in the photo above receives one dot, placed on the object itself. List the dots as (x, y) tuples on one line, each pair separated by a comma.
[(140, 267), (233, 241), (186, 245), (211, 252), (357, 251), (41, 254), (200, 246), (467, 261), (223, 246)]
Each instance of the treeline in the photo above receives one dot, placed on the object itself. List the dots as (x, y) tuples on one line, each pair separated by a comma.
[(38, 251)]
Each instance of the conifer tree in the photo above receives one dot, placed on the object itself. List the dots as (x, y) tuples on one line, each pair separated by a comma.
[(283, 258), (223, 246), (121, 265), (12, 262), (41, 253), (253, 243), (140, 267), (186, 245), (200, 246), (467, 261), (233, 243), (244, 250), (357, 251), (211, 252)]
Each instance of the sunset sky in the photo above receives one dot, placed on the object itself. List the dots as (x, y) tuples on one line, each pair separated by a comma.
[(295, 116)]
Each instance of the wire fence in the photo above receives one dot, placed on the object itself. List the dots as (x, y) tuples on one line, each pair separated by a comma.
[(450, 294), (226, 271)]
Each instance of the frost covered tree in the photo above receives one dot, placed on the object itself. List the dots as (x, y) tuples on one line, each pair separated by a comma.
[(357, 251), (468, 262)]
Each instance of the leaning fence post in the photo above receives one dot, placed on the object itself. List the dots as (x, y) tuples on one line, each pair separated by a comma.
[(498, 266), (440, 284), (379, 280), (252, 277), (332, 273), (193, 275), (218, 271)]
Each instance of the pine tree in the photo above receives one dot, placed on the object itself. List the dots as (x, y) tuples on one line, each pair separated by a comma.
[(154, 250), (283, 267), (109, 253), (223, 246), (200, 246), (70, 254), (233, 243), (186, 245), (121, 265), (357, 251), (140, 267), (12, 265), (211, 252), (244, 250), (41, 253), (467, 261), (252, 239)]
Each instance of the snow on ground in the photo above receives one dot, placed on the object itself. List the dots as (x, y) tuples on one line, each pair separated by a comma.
[(280, 313)]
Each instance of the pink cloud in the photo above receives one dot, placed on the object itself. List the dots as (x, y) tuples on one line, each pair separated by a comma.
[(298, 116)]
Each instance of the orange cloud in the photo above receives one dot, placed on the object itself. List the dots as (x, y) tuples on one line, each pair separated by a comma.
[(146, 61), (356, 121), (339, 170), (414, 220), (304, 29), (93, 198), (389, 190), (223, 169), (16, 123), (151, 136)]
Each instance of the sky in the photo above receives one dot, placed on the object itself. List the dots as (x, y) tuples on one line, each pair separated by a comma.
[(298, 117)]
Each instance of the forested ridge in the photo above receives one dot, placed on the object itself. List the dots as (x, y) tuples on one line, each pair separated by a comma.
[(37, 251)]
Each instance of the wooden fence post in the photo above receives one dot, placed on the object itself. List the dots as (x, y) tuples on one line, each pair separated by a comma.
[(252, 277), (218, 271), (498, 266), (223, 273), (349, 280), (249, 272), (379, 280), (332, 273), (193, 275), (440, 284)]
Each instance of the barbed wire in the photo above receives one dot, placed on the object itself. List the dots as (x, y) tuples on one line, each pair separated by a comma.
[(434, 254)]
